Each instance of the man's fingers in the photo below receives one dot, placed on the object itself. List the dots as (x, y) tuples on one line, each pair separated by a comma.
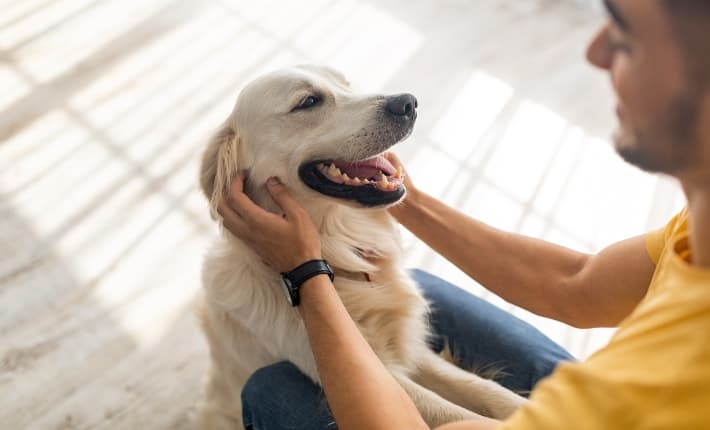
[(392, 158), (397, 163), (236, 189), (240, 203), (283, 197), (237, 185), (232, 220)]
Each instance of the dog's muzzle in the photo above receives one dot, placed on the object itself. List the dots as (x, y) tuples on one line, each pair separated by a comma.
[(372, 181)]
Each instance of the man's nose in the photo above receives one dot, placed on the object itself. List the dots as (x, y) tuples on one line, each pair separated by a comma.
[(598, 52)]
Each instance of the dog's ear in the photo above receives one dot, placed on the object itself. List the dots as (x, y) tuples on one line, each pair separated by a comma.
[(220, 164)]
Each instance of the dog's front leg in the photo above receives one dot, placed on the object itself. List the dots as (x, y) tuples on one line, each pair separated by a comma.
[(435, 409), (478, 394)]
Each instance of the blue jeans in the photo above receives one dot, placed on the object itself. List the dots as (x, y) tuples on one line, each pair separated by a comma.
[(478, 334)]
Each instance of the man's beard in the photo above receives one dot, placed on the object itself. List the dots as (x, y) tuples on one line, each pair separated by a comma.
[(669, 144)]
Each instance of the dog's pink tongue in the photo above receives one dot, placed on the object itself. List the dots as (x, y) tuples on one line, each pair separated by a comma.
[(366, 169)]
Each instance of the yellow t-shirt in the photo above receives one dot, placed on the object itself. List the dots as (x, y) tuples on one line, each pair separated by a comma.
[(655, 371)]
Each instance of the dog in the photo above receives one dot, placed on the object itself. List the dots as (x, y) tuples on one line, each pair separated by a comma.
[(307, 126)]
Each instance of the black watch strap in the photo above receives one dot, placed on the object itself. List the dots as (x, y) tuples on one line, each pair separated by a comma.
[(307, 270), (301, 274)]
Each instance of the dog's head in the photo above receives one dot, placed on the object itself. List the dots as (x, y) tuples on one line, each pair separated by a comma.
[(307, 126)]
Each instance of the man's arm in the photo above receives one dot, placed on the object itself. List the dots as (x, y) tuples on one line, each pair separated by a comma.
[(361, 392), (550, 280), (470, 425)]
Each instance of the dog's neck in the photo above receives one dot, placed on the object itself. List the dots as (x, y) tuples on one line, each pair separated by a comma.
[(358, 241)]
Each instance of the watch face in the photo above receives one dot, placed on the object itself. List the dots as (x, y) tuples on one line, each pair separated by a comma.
[(286, 285)]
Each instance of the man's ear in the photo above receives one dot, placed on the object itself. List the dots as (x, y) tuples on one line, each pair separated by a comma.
[(220, 164)]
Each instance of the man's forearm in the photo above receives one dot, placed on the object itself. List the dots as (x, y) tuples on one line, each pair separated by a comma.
[(471, 425), (361, 392), (528, 272)]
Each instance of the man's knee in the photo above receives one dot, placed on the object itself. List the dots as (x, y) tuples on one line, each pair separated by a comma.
[(281, 396), (260, 385)]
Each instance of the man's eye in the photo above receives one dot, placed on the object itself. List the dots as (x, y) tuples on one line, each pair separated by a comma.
[(308, 102), (617, 46), (617, 43)]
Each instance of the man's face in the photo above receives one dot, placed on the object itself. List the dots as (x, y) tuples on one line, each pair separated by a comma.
[(659, 109)]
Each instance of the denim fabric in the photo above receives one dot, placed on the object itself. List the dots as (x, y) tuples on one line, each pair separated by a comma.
[(479, 335), (279, 396)]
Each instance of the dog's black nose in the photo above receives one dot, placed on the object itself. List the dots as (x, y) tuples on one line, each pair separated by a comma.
[(401, 104)]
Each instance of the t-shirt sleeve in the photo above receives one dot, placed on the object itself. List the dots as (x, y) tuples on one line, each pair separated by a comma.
[(575, 397), (656, 240)]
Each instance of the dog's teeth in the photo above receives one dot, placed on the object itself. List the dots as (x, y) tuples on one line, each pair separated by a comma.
[(356, 181), (383, 182), (345, 176), (332, 170)]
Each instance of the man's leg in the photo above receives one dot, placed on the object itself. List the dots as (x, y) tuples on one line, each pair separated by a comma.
[(483, 336), (279, 396), (478, 334)]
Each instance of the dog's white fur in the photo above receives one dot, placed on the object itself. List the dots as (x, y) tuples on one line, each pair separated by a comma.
[(245, 316)]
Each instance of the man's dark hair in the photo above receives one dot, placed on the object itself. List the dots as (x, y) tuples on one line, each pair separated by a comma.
[(690, 21)]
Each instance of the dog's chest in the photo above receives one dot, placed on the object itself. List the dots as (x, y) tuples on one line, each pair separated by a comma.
[(388, 310), (385, 305)]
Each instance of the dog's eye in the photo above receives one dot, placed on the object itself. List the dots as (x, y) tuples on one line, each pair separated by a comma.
[(308, 102)]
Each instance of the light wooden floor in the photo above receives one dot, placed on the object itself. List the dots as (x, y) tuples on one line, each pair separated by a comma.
[(104, 108)]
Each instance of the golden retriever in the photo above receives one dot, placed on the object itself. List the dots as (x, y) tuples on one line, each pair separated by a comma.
[(325, 142)]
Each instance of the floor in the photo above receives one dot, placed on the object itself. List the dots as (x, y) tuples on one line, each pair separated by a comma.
[(105, 106)]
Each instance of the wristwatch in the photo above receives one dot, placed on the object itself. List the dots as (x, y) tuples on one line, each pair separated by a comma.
[(292, 281)]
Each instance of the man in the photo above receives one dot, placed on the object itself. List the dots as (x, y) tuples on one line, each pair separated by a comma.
[(655, 372)]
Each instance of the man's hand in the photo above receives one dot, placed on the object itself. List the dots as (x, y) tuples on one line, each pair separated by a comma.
[(398, 210), (282, 241)]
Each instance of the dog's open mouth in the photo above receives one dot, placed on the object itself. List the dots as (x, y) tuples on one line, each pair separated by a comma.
[(371, 182)]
